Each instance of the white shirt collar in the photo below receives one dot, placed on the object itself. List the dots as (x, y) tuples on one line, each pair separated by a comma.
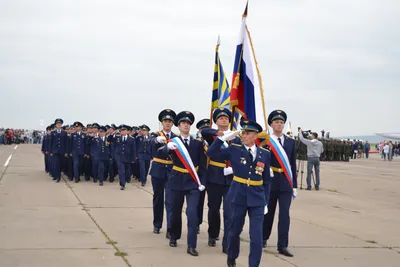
[(276, 138), (253, 150)]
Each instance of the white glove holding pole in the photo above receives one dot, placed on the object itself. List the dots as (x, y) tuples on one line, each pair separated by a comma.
[(161, 139), (230, 135), (172, 146), (271, 172), (294, 193), (228, 171), (266, 209)]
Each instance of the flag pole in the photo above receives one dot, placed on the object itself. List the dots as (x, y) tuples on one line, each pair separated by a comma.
[(259, 80), (212, 89), (236, 82)]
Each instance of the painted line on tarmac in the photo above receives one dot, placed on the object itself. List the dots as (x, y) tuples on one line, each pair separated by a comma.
[(8, 161), (15, 147)]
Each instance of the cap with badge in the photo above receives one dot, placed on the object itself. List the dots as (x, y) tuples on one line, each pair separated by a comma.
[(167, 114), (89, 126), (250, 126), (221, 112), (135, 128), (113, 126), (277, 115), (102, 129), (204, 123), (123, 127), (58, 121), (107, 126), (95, 126), (78, 124), (144, 127), (184, 116)]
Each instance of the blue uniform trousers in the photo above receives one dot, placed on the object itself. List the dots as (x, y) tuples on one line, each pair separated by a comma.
[(200, 209), (58, 161), (111, 169), (88, 168), (70, 172), (161, 192), (238, 215), (285, 199), (46, 163), (216, 194), (102, 169), (192, 202), (78, 166), (123, 171), (95, 167), (144, 165)]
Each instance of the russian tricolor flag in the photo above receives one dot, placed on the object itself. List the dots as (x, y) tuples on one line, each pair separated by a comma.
[(246, 93)]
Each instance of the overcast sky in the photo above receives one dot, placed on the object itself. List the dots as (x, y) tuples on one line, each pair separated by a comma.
[(332, 65)]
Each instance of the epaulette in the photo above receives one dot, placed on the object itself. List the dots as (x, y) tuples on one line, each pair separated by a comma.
[(290, 137), (233, 144), (263, 148), (199, 139)]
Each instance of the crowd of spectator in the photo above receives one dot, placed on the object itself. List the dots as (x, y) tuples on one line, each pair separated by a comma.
[(388, 149), (20, 136)]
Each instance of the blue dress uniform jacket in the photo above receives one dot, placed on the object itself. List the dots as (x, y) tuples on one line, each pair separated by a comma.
[(239, 193), (59, 142), (125, 151), (280, 182), (78, 144), (183, 181), (102, 149), (215, 170), (143, 147), (162, 161)]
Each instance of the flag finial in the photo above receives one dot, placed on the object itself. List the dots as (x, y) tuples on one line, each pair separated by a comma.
[(218, 41), (245, 10)]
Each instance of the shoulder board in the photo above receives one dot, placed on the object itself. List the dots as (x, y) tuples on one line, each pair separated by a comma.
[(199, 139), (264, 148), (289, 136), (233, 144)]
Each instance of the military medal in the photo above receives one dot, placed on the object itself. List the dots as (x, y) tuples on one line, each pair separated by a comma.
[(260, 168), (243, 160)]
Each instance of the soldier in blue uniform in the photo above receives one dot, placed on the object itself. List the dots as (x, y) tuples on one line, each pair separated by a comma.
[(45, 149), (125, 154), (182, 184), (103, 154), (201, 125), (78, 150), (143, 146), (91, 145), (281, 189), (58, 148), (70, 163), (87, 162), (249, 191), (160, 170), (135, 167), (219, 178)]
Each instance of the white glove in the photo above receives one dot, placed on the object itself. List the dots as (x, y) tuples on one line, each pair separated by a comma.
[(172, 146), (271, 172), (230, 136), (228, 171), (161, 139), (266, 209), (294, 193)]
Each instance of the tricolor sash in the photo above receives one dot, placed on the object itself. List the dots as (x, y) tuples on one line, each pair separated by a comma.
[(282, 158), (184, 157)]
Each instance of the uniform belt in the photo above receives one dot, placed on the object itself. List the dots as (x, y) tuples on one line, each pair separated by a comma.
[(248, 181), (182, 170), (217, 164), (163, 161), (275, 169)]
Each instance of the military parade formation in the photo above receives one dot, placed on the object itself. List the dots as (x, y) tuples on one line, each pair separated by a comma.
[(218, 168)]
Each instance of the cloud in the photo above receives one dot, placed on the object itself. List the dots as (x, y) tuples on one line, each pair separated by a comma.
[(329, 64)]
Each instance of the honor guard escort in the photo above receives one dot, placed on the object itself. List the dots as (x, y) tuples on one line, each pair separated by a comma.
[(143, 146), (58, 148)]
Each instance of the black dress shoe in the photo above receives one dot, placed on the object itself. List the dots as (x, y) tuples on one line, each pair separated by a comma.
[(217, 238), (198, 229), (231, 263), (58, 180), (172, 243), (308, 188), (156, 230), (192, 251), (285, 252), (211, 242), (122, 188), (264, 243), (94, 181), (167, 235), (76, 181), (317, 188), (224, 250), (101, 183), (143, 184)]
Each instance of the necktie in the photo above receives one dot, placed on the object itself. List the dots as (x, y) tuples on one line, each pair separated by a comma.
[(250, 155), (280, 141), (167, 136), (186, 144)]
